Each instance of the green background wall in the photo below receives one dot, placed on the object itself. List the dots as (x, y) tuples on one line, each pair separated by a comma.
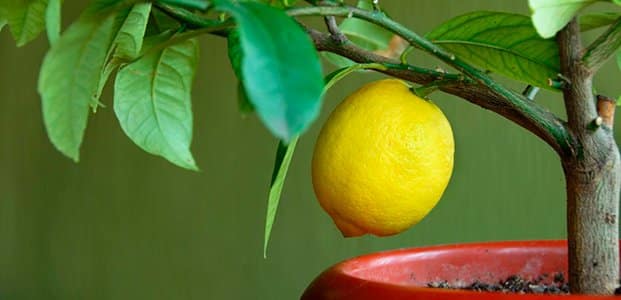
[(122, 224)]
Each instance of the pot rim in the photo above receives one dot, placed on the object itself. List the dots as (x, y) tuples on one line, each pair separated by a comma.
[(342, 276)]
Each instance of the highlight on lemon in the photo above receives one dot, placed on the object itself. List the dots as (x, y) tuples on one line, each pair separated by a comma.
[(382, 160)]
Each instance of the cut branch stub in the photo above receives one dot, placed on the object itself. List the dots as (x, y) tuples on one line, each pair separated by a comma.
[(606, 107)]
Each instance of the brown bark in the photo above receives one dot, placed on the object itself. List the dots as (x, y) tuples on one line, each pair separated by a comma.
[(593, 175)]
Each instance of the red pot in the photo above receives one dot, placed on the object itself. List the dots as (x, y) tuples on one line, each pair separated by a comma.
[(404, 274)]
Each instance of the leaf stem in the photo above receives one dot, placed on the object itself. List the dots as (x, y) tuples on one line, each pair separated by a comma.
[(404, 55), (196, 4), (332, 78), (187, 16), (334, 30), (425, 90)]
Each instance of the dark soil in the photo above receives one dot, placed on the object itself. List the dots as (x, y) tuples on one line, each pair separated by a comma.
[(515, 284)]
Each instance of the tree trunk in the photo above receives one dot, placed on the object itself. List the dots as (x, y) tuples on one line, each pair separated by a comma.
[(592, 215), (592, 173)]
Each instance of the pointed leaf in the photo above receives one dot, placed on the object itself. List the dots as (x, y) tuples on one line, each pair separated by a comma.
[(2, 23), (126, 46), (501, 42), (152, 100), (243, 103), (197, 4), (128, 41), (53, 20), (26, 18), (550, 16), (235, 52), (161, 22), (284, 153), (104, 8), (235, 57), (280, 67), (69, 79)]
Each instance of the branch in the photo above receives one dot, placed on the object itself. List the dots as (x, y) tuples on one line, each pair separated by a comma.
[(547, 126), (487, 93), (185, 16), (333, 28), (603, 47), (478, 88)]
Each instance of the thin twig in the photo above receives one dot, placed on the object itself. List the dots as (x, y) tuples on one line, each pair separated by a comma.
[(376, 5), (334, 30), (187, 16), (530, 92)]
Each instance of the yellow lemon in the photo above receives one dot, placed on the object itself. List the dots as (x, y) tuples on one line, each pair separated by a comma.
[(382, 160)]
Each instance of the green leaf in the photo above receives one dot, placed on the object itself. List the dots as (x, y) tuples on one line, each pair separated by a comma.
[(161, 22), (284, 153), (26, 18), (243, 103), (197, 4), (235, 53), (104, 8), (278, 3), (597, 20), (2, 23), (341, 73), (550, 16), (128, 41), (235, 57), (53, 20), (152, 100), (69, 79), (501, 42), (280, 67)]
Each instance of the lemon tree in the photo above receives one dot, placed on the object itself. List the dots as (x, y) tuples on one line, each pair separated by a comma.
[(385, 156)]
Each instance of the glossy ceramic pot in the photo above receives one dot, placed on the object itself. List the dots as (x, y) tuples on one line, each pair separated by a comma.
[(404, 274)]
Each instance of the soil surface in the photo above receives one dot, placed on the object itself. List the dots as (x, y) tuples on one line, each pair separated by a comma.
[(545, 284)]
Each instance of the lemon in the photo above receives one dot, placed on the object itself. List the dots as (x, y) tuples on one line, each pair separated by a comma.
[(382, 160)]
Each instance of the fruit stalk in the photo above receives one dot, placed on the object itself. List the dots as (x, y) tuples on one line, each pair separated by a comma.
[(593, 177)]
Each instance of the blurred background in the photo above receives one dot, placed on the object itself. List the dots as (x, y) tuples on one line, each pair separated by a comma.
[(123, 224)]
